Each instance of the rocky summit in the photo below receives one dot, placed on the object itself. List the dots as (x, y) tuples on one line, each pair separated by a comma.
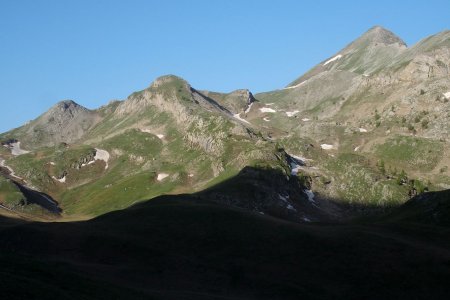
[(193, 194)]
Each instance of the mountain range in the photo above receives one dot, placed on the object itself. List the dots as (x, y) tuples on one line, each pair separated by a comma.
[(343, 168)]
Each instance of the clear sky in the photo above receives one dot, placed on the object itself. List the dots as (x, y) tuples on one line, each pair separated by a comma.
[(95, 51)]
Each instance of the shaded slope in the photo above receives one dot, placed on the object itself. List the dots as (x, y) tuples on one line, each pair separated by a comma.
[(431, 208), (180, 247)]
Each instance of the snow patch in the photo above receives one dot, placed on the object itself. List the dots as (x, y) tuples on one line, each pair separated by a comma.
[(160, 136), (162, 176), (302, 159), (101, 155), (267, 109), (62, 180), (356, 148), (269, 104), (296, 163), (15, 149), (306, 119), (248, 108), (295, 86), (266, 119), (447, 95), (292, 113), (294, 170), (11, 171), (283, 198), (339, 56), (237, 116), (290, 207), (306, 219), (310, 195), (191, 175), (52, 163), (362, 130), (326, 146)]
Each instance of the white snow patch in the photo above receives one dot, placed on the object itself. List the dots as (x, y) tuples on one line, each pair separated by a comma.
[(447, 95), (306, 119), (62, 180), (283, 198), (339, 56), (296, 164), (266, 119), (15, 149), (362, 130), (292, 113), (294, 170), (237, 116), (160, 136), (161, 176), (306, 219), (52, 163), (326, 146), (267, 109), (248, 108), (366, 75), (191, 175), (295, 86), (89, 163), (356, 148), (310, 195), (269, 104), (11, 171), (101, 155), (303, 159), (290, 207)]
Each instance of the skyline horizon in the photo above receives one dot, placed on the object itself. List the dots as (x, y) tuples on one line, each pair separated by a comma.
[(95, 63)]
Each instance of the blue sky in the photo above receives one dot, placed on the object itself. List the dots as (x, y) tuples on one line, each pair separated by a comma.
[(96, 51)]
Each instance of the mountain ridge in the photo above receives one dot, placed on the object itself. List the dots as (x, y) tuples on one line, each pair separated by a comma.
[(341, 121)]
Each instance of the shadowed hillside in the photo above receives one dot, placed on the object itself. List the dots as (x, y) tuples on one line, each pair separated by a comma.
[(185, 247)]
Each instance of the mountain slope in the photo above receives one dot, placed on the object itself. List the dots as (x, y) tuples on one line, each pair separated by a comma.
[(65, 122), (180, 247), (366, 127)]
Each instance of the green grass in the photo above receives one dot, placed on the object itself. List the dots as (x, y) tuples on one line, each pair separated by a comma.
[(411, 153), (10, 194), (135, 142), (357, 182)]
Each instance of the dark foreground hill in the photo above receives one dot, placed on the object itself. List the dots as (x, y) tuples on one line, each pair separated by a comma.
[(185, 247)]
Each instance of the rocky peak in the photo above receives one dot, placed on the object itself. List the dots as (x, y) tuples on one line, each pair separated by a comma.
[(66, 121), (244, 94), (380, 35), (66, 106), (169, 80)]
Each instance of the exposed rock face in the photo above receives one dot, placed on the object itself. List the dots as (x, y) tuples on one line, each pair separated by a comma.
[(65, 122), (186, 107), (236, 102)]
